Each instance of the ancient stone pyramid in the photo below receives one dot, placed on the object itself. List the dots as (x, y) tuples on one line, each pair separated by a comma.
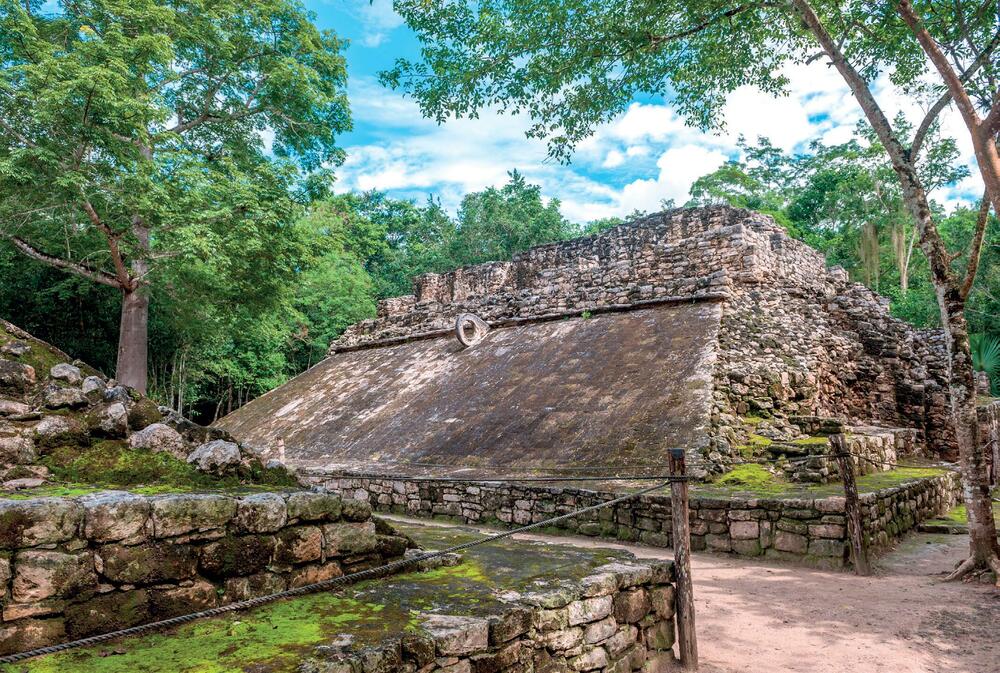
[(668, 331)]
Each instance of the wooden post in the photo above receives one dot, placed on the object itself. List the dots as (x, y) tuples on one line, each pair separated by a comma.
[(687, 640), (852, 508)]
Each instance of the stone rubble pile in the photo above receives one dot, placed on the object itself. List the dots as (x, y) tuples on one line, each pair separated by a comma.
[(71, 404)]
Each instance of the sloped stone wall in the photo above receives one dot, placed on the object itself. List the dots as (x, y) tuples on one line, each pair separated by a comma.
[(796, 338), (616, 620), (810, 531), (71, 568)]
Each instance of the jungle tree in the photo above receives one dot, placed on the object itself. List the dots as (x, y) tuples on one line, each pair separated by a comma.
[(135, 132)]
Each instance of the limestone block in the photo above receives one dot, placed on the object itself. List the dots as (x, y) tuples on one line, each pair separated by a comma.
[(300, 544), (346, 539), (108, 612), (17, 450), (28, 634), (58, 397), (457, 636), (40, 574), (28, 523), (744, 530), (590, 660), (311, 574), (111, 516), (598, 631), (790, 542), (311, 506), (260, 513), (236, 555), (166, 603), (16, 377), (181, 514), (511, 624), (589, 610), (632, 605), (149, 563)]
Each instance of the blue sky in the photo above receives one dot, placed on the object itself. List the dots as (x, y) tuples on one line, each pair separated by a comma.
[(646, 155)]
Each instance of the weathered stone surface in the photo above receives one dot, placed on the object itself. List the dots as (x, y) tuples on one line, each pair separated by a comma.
[(112, 421), (299, 545), (456, 635), (40, 574), (217, 457), (66, 372), (111, 516), (589, 660), (356, 510), (167, 603), (261, 584), (13, 408), (631, 606), (182, 514), (27, 523), (28, 634), (58, 397), (17, 348), (790, 542), (589, 610), (59, 431), (310, 506), (16, 377), (108, 612), (744, 530), (260, 513), (346, 539), (149, 563), (311, 574), (235, 556), (142, 413), (599, 631), (93, 388), (159, 437), (511, 624), (17, 450)]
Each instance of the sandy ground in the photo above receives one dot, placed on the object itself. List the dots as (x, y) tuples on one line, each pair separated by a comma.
[(759, 617)]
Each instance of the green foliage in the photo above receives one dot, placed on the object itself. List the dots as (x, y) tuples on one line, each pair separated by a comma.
[(986, 355)]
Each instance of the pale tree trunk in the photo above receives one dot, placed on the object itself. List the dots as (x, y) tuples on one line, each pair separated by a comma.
[(132, 339), (984, 549), (133, 336)]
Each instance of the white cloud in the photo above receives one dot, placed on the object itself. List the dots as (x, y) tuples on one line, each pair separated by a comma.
[(612, 171)]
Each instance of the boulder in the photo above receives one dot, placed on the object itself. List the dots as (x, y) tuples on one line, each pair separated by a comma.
[(66, 372), (218, 457), (60, 430), (94, 387), (13, 408), (112, 420), (17, 450), (58, 397), (142, 413), (159, 438), (16, 377), (15, 348)]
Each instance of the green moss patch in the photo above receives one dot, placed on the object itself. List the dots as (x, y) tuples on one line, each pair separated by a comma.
[(753, 478), (811, 441)]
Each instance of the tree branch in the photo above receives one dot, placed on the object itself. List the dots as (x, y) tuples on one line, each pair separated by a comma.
[(95, 275), (124, 279), (942, 102), (991, 122), (977, 246)]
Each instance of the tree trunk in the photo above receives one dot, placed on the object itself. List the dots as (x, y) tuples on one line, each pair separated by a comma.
[(132, 340)]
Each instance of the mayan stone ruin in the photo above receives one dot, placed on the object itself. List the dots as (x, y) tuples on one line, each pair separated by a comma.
[(709, 329)]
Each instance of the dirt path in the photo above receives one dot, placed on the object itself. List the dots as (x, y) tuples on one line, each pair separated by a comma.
[(758, 617)]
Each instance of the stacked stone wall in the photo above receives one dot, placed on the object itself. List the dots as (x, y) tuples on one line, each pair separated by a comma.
[(71, 568), (810, 531), (617, 620)]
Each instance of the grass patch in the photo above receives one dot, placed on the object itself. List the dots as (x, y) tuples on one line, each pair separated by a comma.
[(811, 441)]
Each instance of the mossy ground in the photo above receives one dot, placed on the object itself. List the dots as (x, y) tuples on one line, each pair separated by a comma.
[(42, 356), (276, 638)]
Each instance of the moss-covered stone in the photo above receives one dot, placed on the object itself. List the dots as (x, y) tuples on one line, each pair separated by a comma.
[(117, 610), (236, 556), (142, 413)]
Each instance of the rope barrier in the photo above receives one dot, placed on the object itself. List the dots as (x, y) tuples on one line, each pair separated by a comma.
[(371, 573)]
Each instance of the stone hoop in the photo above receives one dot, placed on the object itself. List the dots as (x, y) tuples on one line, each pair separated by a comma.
[(470, 329)]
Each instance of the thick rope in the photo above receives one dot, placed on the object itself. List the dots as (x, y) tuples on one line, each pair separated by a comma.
[(371, 573)]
